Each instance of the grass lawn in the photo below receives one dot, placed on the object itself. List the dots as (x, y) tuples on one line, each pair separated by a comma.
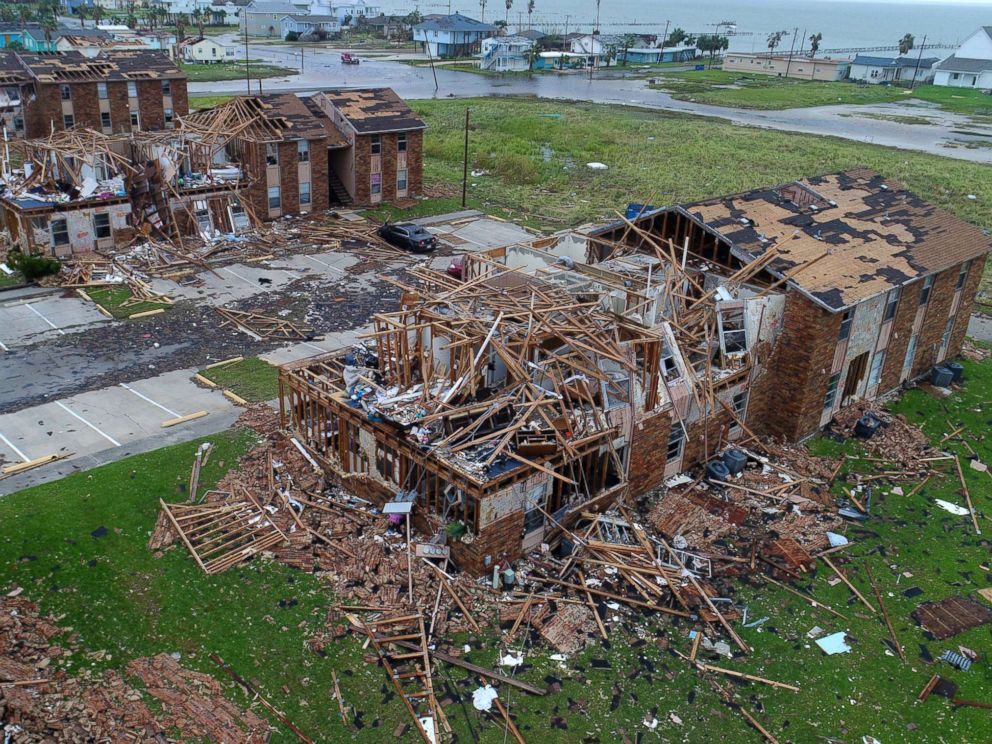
[(897, 118), (768, 92), (10, 280), (252, 379), (209, 73), (202, 102), (535, 153), (78, 547), (112, 300), (958, 100)]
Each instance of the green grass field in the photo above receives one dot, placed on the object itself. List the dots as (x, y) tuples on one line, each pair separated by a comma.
[(252, 379), (78, 547), (202, 102), (535, 153), (112, 300), (210, 73)]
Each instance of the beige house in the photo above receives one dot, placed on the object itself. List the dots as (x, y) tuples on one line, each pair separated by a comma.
[(203, 49), (795, 66)]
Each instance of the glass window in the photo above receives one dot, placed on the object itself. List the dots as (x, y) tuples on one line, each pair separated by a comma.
[(101, 226), (739, 404), (948, 330), (60, 232), (676, 441), (132, 89), (907, 362), (376, 183), (376, 144), (105, 119), (963, 274), (272, 153), (135, 120), (828, 401), (845, 324), (305, 192), (66, 92), (891, 304), (168, 117), (303, 150), (401, 142), (927, 286), (68, 121), (101, 90), (166, 87), (275, 197), (876, 368), (401, 179)]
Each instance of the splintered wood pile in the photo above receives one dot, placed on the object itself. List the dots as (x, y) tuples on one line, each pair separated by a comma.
[(264, 326)]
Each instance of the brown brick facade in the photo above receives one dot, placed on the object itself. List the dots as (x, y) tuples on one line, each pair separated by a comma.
[(150, 104), (363, 171), (389, 155), (498, 540), (318, 174), (964, 309), (120, 109), (647, 452), (902, 330), (935, 321), (415, 162)]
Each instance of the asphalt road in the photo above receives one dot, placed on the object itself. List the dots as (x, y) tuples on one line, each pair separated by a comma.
[(323, 69)]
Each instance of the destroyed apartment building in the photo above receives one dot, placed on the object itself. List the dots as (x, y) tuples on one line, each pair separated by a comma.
[(217, 172), (551, 379), (112, 92)]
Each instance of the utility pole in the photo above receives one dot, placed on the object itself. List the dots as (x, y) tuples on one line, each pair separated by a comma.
[(919, 61), (301, 59), (788, 66), (427, 46), (465, 162), (664, 40), (802, 42), (247, 67), (565, 37)]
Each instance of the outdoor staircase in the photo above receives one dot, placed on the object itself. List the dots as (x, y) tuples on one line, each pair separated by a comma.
[(338, 193)]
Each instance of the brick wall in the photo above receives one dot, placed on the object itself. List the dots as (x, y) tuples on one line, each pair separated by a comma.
[(415, 162), (705, 436), (43, 111), (86, 105), (786, 399), (363, 171), (647, 452), (389, 167), (253, 165), (935, 320), (902, 330), (966, 306), (180, 98), (289, 177), (318, 175), (499, 540), (120, 111), (150, 104)]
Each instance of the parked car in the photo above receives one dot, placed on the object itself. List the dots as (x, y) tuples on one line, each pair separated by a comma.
[(349, 59), (408, 236), (456, 268)]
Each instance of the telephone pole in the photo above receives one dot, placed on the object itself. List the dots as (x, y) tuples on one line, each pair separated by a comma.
[(465, 162), (792, 48)]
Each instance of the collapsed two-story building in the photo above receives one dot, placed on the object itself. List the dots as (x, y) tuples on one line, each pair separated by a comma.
[(553, 377)]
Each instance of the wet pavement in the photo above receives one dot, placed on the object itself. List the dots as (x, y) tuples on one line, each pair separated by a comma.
[(323, 69)]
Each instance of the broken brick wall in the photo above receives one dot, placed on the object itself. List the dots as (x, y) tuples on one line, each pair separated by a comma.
[(43, 112), (648, 448), (501, 539), (965, 306)]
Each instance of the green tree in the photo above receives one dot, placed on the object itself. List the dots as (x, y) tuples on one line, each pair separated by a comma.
[(906, 44), (33, 265), (83, 12), (25, 14), (506, 18), (814, 44), (181, 24), (774, 40), (97, 14), (530, 12), (49, 25), (626, 43), (675, 38), (712, 43), (482, 4)]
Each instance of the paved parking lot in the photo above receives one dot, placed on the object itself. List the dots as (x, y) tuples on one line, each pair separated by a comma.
[(29, 321), (108, 424)]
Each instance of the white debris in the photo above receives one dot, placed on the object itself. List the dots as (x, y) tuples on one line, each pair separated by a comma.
[(482, 699), (511, 660), (675, 719), (952, 508), (650, 721), (597, 166)]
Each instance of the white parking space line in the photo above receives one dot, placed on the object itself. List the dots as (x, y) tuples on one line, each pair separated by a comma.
[(3, 347), (324, 263), (236, 274), (154, 403), (290, 274), (32, 309), (313, 346), (76, 415), (14, 448)]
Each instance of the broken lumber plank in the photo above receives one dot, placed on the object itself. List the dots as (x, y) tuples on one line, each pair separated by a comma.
[(235, 398), (455, 661), (37, 462), (146, 313), (510, 726), (225, 362), (967, 495), (885, 613), (458, 600), (812, 601), (183, 419), (339, 698), (749, 677), (200, 378), (611, 595), (847, 583)]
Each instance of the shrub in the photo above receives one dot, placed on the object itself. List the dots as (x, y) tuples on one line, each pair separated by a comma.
[(33, 265), (292, 36)]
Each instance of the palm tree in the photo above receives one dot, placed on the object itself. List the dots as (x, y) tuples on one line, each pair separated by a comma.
[(7, 13), (814, 44), (181, 22), (24, 14), (49, 25), (482, 4), (506, 18), (83, 12), (906, 44), (199, 18), (131, 20), (774, 40), (97, 14), (530, 11)]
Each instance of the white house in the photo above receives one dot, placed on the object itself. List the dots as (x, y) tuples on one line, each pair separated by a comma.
[(203, 49), (185, 7), (224, 13), (345, 10), (971, 65), (878, 70), (452, 35), (309, 24), (506, 53)]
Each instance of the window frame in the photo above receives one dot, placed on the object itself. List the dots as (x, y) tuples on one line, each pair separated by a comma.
[(401, 142), (303, 151), (892, 304), (830, 399), (169, 118), (105, 120), (375, 183), (104, 224), (675, 446), (404, 184), (135, 119), (271, 154), (65, 92), (875, 368), (277, 197), (375, 144), (132, 89), (68, 121), (101, 91), (847, 320), (56, 242), (963, 275), (309, 193), (167, 88), (927, 290)]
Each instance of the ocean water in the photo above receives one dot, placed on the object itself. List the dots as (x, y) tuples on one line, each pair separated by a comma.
[(843, 23)]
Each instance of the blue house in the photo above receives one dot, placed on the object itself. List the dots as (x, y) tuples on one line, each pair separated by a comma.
[(654, 55), (452, 35)]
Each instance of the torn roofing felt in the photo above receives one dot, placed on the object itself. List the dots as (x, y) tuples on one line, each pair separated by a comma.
[(875, 235)]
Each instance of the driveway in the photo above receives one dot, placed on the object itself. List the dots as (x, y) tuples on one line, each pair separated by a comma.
[(29, 321)]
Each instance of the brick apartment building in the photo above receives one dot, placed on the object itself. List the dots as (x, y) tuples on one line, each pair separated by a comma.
[(334, 148), (787, 303), (113, 92)]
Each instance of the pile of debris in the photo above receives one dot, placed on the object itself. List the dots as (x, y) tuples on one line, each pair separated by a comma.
[(893, 439), (41, 703)]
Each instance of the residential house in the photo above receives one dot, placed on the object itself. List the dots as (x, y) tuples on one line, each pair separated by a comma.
[(506, 53), (530, 33), (451, 35), (656, 55), (91, 46), (877, 70), (309, 24), (184, 7), (971, 65), (265, 18), (616, 397), (387, 26), (14, 32), (225, 12), (347, 13), (112, 92), (795, 66), (203, 49), (563, 61)]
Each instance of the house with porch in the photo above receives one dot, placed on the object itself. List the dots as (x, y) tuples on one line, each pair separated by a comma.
[(971, 65), (453, 35)]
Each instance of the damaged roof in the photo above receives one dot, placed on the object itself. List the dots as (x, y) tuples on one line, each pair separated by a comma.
[(70, 67), (272, 117), (373, 110), (867, 236)]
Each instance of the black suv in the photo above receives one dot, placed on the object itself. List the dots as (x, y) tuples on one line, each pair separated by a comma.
[(408, 236)]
